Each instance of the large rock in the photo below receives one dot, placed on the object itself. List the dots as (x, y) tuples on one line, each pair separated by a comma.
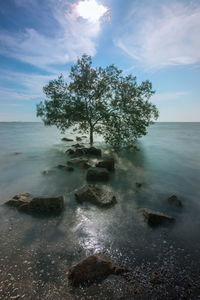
[(66, 140), (174, 200), (27, 203), (79, 162), (92, 268), (97, 174), (78, 138), (155, 218), (96, 195), (49, 204), (92, 151), (107, 163)]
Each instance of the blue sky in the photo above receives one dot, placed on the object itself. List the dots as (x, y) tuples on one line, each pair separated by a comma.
[(152, 39)]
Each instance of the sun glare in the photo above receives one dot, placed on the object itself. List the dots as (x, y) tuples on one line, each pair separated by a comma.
[(91, 10)]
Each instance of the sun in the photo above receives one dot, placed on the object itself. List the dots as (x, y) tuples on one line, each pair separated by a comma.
[(91, 10)]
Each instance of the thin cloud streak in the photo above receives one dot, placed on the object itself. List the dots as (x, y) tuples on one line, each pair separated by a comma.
[(164, 37)]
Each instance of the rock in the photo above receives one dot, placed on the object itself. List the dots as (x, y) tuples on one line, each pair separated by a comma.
[(70, 151), (107, 163), (97, 174), (78, 138), (44, 204), (17, 153), (19, 200), (66, 168), (138, 184), (84, 137), (80, 162), (92, 268), (25, 202), (78, 145), (92, 151), (66, 140), (47, 172), (174, 200), (96, 195), (155, 217)]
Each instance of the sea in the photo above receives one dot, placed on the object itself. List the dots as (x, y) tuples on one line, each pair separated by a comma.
[(41, 249)]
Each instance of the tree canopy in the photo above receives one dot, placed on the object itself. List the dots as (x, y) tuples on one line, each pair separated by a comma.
[(99, 100)]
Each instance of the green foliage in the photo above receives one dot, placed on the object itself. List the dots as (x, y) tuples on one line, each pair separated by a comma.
[(99, 100)]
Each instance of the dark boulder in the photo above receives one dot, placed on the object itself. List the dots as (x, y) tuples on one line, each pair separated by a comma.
[(78, 138), (26, 203), (154, 218), (93, 151), (174, 200), (107, 163), (97, 174), (95, 195), (67, 140), (92, 268), (46, 204), (77, 152)]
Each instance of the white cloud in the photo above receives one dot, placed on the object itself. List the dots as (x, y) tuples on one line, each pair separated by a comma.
[(31, 86), (159, 37), (168, 96), (72, 37)]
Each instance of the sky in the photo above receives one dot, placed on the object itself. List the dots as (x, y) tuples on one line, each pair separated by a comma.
[(151, 39)]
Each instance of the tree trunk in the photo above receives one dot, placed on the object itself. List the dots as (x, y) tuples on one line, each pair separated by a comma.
[(91, 135)]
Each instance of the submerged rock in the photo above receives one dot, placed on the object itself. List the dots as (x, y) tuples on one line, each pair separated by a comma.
[(27, 203), (174, 200), (47, 172), (17, 153), (96, 195), (78, 138), (66, 140), (107, 163), (155, 218), (138, 184), (79, 162), (97, 174), (92, 268), (66, 168)]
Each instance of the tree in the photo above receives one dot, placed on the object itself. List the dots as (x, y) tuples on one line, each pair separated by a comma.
[(99, 100)]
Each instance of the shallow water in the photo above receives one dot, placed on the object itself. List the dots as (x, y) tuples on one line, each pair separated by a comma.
[(167, 163)]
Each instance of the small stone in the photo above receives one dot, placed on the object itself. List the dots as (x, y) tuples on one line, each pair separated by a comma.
[(174, 200)]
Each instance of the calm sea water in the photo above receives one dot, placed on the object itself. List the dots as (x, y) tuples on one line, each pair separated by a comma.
[(167, 163)]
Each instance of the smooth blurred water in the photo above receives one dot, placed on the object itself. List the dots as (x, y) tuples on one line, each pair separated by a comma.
[(167, 163)]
